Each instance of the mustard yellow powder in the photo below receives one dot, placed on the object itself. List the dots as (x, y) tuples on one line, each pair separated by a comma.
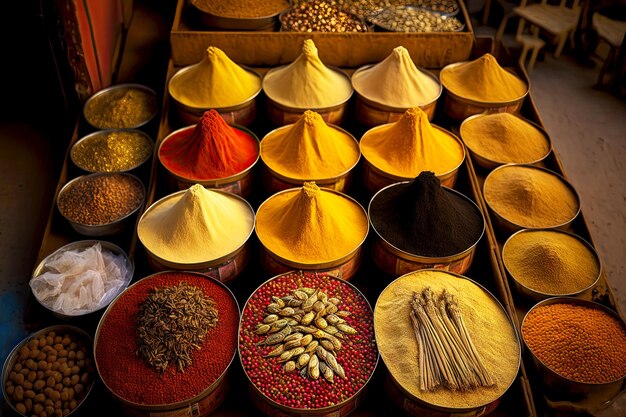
[(309, 149), (483, 80), (530, 197), (307, 83), (550, 262), (411, 145), (310, 225), (195, 226), (486, 322), (504, 138), (215, 82), (396, 82)]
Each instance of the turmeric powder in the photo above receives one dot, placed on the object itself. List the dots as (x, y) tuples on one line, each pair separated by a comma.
[(580, 342), (309, 149), (215, 82), (412, 145), (504, 138), (550, 262), (483, 80), (396, 82), (530, 197), (310, 225), (196, 225), (307, 83)]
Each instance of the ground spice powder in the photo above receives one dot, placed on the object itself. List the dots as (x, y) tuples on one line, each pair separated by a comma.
[(130, 377), (215, 82), (411, 145), (550, 262), (582, 343), (242, 8), (530, 197), (195, 226), (307, 83), (396, 82), (310, 225), (504, 138), (214, 150), (117, 150), (121, 109), (483, 80), (423, 218), (485, 320), (309, 149)]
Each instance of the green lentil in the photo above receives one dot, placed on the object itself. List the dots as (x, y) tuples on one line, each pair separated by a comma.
[(116, 150)]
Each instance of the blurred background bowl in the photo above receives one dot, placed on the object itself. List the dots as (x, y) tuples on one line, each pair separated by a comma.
[(115, 92)]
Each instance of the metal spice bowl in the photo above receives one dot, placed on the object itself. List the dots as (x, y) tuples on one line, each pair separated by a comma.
[(13, 356), (113, 91), (243, 113), (397, 262), (371, 113), (240, 183), (584, 293), (413, 19), (260, 23), (597, 396), (83, 244)]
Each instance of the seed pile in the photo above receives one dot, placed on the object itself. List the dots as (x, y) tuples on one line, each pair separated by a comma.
[(101, 199), (411, 19), (314, 358), (51, 375), (172, 322), (447, 355), (320, 16), (365, 8), (116, 150), (441, 6), (121, 109)]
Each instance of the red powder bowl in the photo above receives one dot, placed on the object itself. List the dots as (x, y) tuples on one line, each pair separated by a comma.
[(139, 388), (291, 393)]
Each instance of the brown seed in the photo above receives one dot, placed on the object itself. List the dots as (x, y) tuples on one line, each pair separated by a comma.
[(290, 366), (346, 329), (303, 360), (307, 318), (29, 394), (293, 336), (21, 408), (276, 351), (270, 318), (39, 398), (314, 370), (263, 328), (321, 323)]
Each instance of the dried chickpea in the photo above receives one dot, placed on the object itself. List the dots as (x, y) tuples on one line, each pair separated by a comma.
[(84, 378), (73, 346), (66, 381), (18, 379), (39, 398), (58, 412), (78, 388), (47, 374), (55, 366), (65, 394), (28, 385), (50, 381), (66, 340), (80, 355), (33, 344), (34, 353), (71, 363), (71, 355), (21, 408), (10, 389), (75, 369), (18, 394), (29, 394), (62, 353), (24, 372), (37, 408), (73, 404), (57, 340), (39, 385), (48, 402), (74, 379), (58, 386), (55, 395), (32, 376), (49, 340), (49, 410), (58, 346), (18, 367), (31, 364), (29, 405), (42, 365), (42, 356)]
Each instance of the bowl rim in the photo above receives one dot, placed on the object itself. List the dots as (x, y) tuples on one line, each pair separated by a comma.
[(80, 244), (194, 4), (122, 86), (545, 170)]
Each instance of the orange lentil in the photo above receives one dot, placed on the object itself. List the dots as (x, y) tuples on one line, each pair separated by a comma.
[(581, 343)]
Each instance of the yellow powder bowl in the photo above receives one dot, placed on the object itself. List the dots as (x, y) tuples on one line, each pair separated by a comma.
[(525, 289), (274, 181), (240, 183), (488, 162), (344, 267), (376, 179), (487, 324), (242, 113), (372, 113), (147, 98), (506, 224), (225, 268), (460, 108)]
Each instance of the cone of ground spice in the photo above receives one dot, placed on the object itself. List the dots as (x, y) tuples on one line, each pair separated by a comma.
[(425, 219)]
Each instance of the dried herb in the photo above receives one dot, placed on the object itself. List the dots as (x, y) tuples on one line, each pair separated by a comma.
[(172, 322)]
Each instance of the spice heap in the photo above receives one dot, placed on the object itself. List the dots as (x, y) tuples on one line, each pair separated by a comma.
[(411, 145), (396, 82), (447, 355), (504, 138), (173, 322), (116, 344), (365, 8), (117, 150), (483, 80), (582, 343), (307, 83), (51, 375), (99, 199), (215, 82), (309, 149), (194, 226), (492, 334), (213, 150), (423, 218), (82, 280), (310, 225), (320, 16), (413, 19), (550, 262), (239, 9), (350, 352), (530, 197), (121, 108), (305, 331)]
